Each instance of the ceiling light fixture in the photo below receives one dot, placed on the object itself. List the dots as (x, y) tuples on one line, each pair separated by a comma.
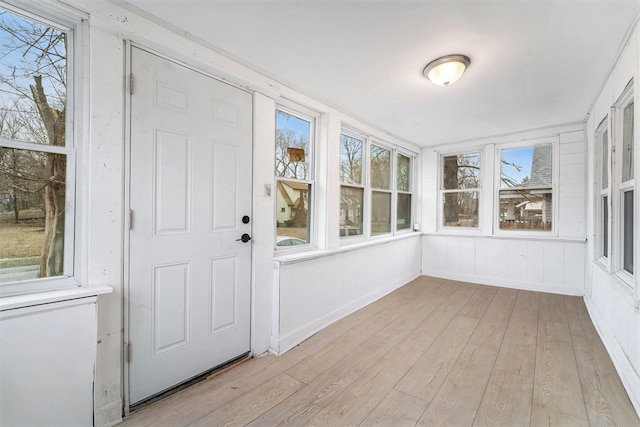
[(446, 69)]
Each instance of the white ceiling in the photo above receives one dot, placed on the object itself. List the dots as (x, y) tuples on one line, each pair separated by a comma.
[(533, 63)]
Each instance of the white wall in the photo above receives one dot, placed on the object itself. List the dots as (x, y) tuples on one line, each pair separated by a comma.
[(47, 362), (547, 262), (614, 305), (311, 293)]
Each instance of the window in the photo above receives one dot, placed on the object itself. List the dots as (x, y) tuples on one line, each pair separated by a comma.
[(460, 190), (627, 186), (295, 134), (380, 167), (37, 154), (376, 187), (351, 185), (602, 140), (526, 193), (403, 192)]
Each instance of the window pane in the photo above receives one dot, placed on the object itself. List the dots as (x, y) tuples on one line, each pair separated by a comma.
[(380, 167), (526, 209), (526, 166), (461, 171), (605, 226), (403, 217), (350, 159), (627, 144), (403, 174), (380, 212), (33, 75), (461, 209), (292, 213), (628, 232), (32, 214), (605, 159), (292, 146), (351, 200)]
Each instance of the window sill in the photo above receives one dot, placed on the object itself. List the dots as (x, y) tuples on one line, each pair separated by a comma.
[(320, 253), (626, 279), (508, 237), (47, 297)]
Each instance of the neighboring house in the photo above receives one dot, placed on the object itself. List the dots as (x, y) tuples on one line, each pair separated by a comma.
[(293, 201)]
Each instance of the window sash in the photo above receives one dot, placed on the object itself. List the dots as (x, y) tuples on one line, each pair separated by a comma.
[(381, 212), (469, 208), (604, 226), (404, 210), (71, 24), (627, 207), (352, 218), (358, 180), (304, 185)]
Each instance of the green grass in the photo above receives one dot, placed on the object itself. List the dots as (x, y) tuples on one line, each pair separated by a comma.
[(19, 262), (22, 242)]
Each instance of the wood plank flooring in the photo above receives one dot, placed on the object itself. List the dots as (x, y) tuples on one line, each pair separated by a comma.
[(434, 352)]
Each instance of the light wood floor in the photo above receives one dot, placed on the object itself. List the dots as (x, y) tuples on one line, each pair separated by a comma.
[(433, 352)]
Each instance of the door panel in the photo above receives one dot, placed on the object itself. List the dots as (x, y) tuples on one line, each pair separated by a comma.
[(189, 282)]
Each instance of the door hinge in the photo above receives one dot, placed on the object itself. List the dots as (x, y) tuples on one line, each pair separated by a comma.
[(131, 84), (130, 220), (129, 353)]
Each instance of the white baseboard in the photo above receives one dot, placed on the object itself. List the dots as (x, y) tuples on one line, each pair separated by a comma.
[(507, 283), (628, 375)]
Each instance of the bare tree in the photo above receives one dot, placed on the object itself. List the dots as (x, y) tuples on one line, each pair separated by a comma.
[(350, 160), (33, 77), (288, 166)]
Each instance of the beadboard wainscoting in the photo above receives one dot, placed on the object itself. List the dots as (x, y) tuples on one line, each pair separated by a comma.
[(553, 265), (311, 293)]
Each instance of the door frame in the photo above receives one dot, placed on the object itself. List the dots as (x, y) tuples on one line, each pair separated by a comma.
[(126, 223)]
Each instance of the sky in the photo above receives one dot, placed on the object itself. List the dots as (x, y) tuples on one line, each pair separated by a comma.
[(11, 59), (286, 122), (522, 157)]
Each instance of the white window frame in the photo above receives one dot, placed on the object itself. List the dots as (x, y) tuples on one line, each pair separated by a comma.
[(390, 190), (410, 192), (313, 118), (368, 141), (603, 147), (554, 185), (619, 188), (441, 192), (363, 185), (74, 25)]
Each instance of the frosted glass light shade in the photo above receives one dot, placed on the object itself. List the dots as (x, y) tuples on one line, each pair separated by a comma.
[(447, 69)]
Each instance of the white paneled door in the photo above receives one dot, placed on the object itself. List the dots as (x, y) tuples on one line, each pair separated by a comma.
[(189, 283)]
